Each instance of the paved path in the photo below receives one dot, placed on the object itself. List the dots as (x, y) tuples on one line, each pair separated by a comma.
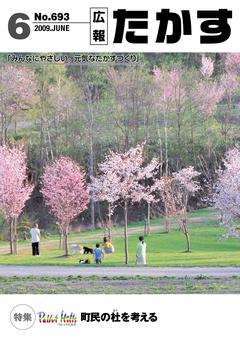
[(64, 271)]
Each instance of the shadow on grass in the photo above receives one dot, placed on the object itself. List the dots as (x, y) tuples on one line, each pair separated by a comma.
[(8, 254), (62, 256)]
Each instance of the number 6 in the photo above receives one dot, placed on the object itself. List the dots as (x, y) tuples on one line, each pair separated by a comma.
[(13, 25)]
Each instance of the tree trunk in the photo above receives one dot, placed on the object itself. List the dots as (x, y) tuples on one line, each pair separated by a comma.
[(57, 135), (125, 232), (60, 240), (109, 227), (15, 236), (167, 219), (11, 235), (2, 132), (165, 116), (188, 241), (5, 134), (179, 132), (63, 242), (91, 155), (148, 222), (50, 143), (160, 144), (66, 240), (185, 230), (15, 118), (166, 146)]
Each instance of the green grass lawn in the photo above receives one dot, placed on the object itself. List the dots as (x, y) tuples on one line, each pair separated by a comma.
[(162, 249)]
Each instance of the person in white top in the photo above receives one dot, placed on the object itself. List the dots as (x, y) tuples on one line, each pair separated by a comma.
[(141, 251), (35, 232)]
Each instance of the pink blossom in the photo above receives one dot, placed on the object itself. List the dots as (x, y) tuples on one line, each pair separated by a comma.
[(15, 189), (232, 62), (208, 95), (17, 87), (171, 90), (175, 192), (65, 191), (120, 180), (207, 66), (121, 175), (185, 178), (227, 193)]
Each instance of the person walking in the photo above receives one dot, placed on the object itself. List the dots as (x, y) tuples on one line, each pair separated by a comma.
[(35, 233), (141, 251)]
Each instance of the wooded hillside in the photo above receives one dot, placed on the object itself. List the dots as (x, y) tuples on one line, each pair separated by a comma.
[(184, 106)]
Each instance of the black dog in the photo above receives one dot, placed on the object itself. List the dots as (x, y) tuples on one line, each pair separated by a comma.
[(85, 262), (87, 250)]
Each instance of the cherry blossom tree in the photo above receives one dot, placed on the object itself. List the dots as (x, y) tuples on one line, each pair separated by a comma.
[(232, 62), (230, 82), (204, 94), (171, 99), (226, 194), (207, 66), (175, 191), (171, 94), (207, 92), (164, 188), (65, 191), (184, 97), (15, 188), (120, 180), (17, 89)]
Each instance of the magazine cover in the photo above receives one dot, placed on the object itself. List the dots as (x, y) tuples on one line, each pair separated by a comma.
[(119, 169)]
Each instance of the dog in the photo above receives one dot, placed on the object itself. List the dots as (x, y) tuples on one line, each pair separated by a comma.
[(84, 262), (77, 248), (87, 250)]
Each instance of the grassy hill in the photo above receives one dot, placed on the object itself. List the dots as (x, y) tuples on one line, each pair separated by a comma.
[(162, 249)]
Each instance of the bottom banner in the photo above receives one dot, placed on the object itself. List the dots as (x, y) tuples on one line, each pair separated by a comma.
[(120, 316)]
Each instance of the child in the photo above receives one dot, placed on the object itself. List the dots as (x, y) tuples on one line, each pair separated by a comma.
[(141, 251), (109, 248), (98, 254)]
